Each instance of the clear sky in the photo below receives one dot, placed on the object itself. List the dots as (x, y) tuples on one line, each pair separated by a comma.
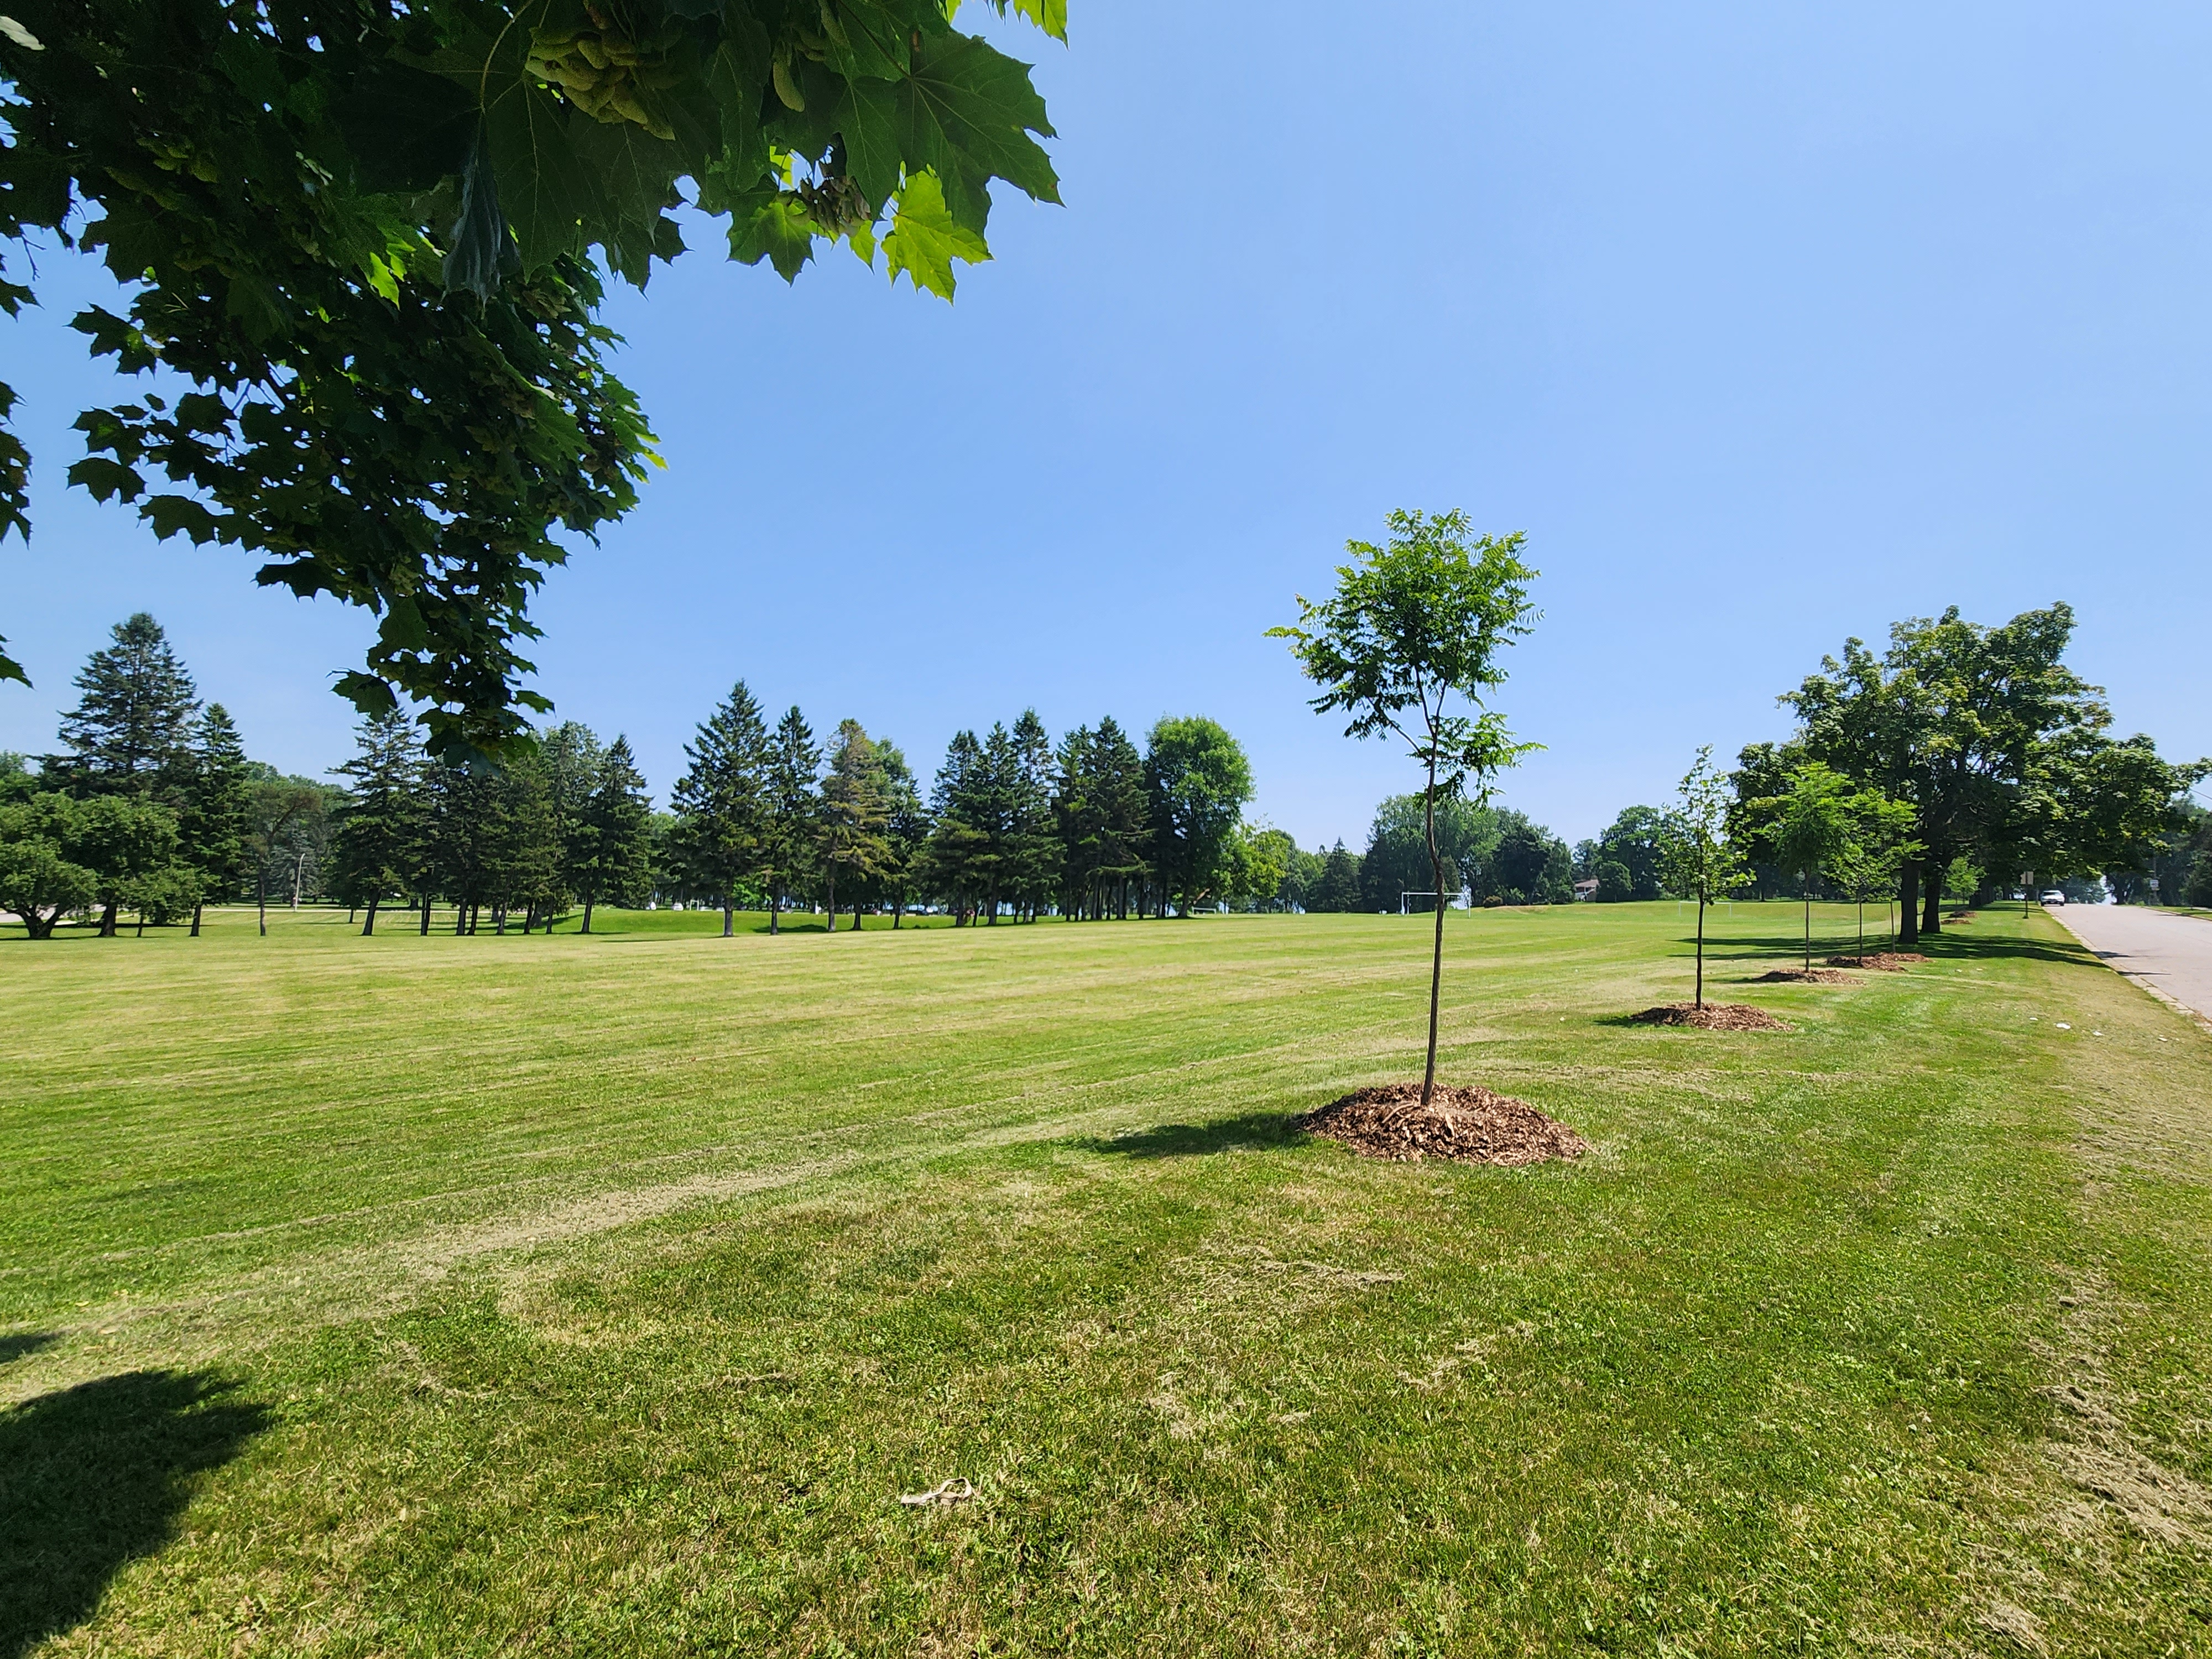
[(1769, 325)]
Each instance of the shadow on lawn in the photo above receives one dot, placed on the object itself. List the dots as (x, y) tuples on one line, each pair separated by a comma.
[(15, 1347), (1963, 944), (92, 1478), (1253, 1132)]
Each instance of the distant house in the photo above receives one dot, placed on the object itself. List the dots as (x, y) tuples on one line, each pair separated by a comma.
[(1586, 889)]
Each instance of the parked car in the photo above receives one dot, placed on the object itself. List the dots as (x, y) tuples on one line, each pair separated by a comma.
[(2054, 896)]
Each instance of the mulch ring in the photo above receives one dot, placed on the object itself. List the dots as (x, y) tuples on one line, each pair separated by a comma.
[(1805, 977), (1713, 1016), (1468, 1125), (1880, 962)]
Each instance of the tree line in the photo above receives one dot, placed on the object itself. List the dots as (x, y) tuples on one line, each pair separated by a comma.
[(152, 809)]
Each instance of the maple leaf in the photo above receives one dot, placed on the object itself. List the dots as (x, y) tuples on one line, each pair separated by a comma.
[(925, 239)]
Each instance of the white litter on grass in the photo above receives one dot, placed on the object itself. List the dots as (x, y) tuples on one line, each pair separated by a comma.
[(957, 1490), (2063, 1026), (2096, 1033)]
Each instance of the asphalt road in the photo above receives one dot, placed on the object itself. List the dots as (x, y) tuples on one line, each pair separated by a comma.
[(2169, 953)]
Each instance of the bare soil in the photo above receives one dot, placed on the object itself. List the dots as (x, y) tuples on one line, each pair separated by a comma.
[(1713, 1016), (1805, 977), (1880, 962), (1468, 1125)]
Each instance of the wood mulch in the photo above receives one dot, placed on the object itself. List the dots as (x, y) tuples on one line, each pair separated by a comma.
[(1880, 962), (1468, 1125), (1805, 977), (1713, 1016)]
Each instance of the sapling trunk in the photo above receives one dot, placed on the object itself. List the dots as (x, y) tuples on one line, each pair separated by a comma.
[(368, 924), (261, 898), (1436, 952), (1809, 924), (1700, 998), (587, 914), (195, 918)]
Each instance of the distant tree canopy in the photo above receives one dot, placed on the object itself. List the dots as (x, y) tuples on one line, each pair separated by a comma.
[(2002, 752), (369, 240)]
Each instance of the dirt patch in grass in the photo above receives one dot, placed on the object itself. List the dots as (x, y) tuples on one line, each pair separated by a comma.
[(1468, 1125), (1880, 962), (1805, 977), (1713, 1016)]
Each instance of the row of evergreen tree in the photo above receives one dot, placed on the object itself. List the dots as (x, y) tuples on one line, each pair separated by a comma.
[(152, 808)]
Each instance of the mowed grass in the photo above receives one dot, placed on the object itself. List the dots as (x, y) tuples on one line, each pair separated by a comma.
[(603, 1295)]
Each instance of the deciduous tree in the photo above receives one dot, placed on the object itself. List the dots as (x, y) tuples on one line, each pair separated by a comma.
[(1414, 624), (367, 239), (1696, 858)]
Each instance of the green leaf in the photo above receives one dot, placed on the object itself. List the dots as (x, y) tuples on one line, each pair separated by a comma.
[(107, 480), (1050, 16), (967, 113), (777, 230), (925, 240), (544, 186), (169, 514), (10, 668), (367, 693), (867, 117), (735, 75)]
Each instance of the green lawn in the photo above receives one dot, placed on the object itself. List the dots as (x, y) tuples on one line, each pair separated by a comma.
[(602, 1295)]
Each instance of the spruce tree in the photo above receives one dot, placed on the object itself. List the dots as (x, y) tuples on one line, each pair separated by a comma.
[(854, 815), (1033, 849), (794, 764), (379, 844), (1124, 806), (130, 733), (906, 827), (571, 755), (956, 856), (216, 814), (612, 857), (722, 802)]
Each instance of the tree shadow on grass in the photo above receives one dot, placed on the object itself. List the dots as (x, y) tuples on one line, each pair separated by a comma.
[(1252, 1132), (92, 1478), (15, 1347)]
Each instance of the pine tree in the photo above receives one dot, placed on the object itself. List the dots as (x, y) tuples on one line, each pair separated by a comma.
[(523, 845), (854, 814), (379, 844), (1338, 890), (956, 856), (571, 755), (460, 804), (131, 731), (612, 857), (906, 827), (1033, 848), (216, 814), (722, 802), (1124, 807), (794, 763)]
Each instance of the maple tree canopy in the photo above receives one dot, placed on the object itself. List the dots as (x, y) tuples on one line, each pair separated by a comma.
[(364, 243)]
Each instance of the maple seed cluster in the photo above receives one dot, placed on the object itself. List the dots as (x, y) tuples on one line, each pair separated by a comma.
[(605, 76)]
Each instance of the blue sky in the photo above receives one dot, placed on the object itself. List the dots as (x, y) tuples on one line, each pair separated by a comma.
[(1769, 325)]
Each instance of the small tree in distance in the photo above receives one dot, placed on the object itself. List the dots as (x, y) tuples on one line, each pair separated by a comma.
[(1874, 854), (1413, 625), (1696, 858), (1811, 832)]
